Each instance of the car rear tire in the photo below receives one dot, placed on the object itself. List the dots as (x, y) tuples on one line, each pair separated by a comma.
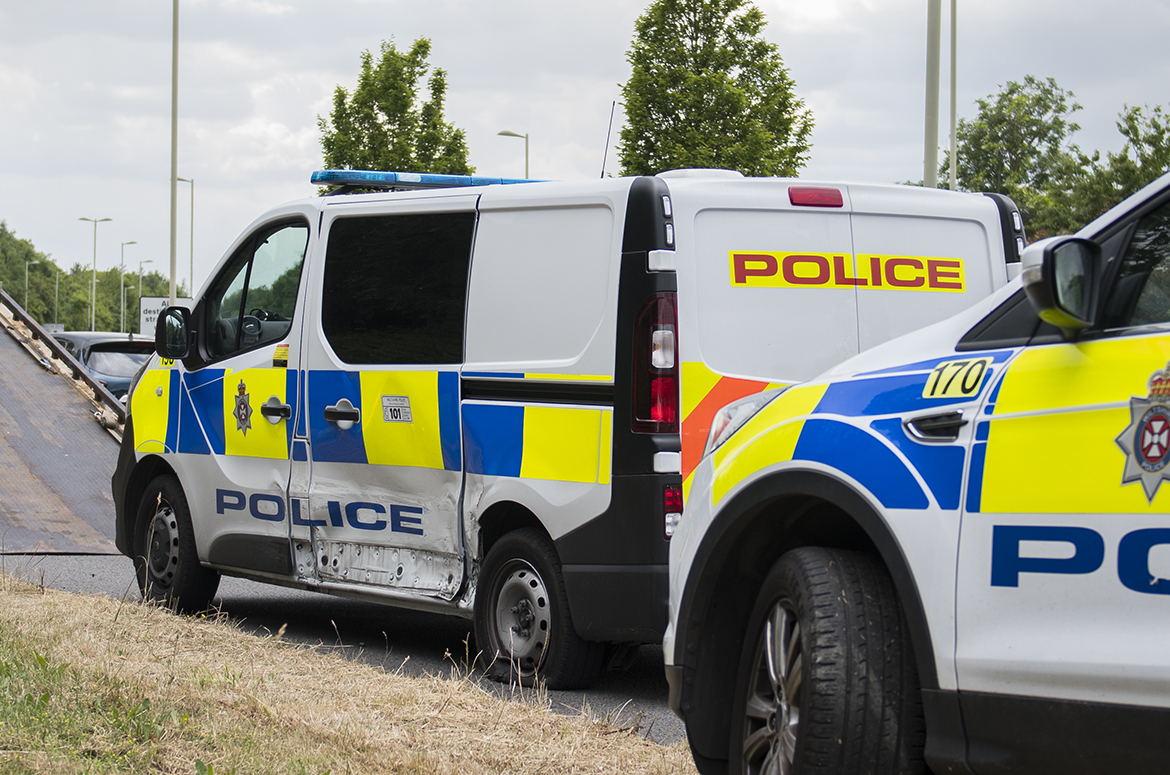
[(165, 560), (827, 681), (523, 627)]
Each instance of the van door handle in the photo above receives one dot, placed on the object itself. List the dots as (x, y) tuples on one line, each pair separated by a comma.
[(274, 410), (343, 413), (936, 427)]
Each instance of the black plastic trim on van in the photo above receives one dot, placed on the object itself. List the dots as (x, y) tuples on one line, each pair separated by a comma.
[(615, 564), (539, 391), (1005, 206), (265, 554)]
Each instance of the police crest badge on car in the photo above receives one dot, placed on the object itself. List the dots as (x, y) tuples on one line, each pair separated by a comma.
[(1146, 440)]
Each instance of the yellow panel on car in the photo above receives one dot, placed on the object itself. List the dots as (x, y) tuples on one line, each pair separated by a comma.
[(150, 407), (247, 432), (561, 443), (400, 418), (1083, 374), (1042, 464)]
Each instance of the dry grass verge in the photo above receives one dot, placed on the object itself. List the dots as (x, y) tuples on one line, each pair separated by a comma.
[(88, 684)]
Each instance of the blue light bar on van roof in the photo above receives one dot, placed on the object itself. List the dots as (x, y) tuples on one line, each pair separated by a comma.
[(403, 180)]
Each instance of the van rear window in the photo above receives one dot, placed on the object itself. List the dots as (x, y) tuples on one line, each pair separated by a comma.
[(395, 288)]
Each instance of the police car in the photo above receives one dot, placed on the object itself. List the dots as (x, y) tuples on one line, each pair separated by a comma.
[(485, 398), (953, 549)]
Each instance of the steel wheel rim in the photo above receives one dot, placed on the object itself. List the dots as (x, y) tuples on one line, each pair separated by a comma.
[(162, 547), (775, 697), (522, 617)]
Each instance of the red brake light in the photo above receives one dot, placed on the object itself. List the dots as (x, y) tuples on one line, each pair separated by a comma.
[(807, 196), (672, 507), (656, 402)]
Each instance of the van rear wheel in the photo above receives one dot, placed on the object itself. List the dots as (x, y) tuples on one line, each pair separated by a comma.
[(523, 627), (165, 560)]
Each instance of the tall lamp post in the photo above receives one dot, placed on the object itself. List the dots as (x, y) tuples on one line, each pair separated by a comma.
[(26, 265), (122, 287), (191, 290), (56, 293), (93, 284), (140, 263), (507, 133)]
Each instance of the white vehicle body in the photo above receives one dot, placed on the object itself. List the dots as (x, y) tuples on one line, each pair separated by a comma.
[(375, 389), (1006, 474)]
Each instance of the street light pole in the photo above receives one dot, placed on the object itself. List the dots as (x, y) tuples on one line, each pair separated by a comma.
[(507, 133), (93, 284), (122, 287), (191, 290), (140, 263), (26, 263), (56, 294)]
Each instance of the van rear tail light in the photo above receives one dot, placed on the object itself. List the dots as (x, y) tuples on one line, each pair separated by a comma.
[(656, 401), (672, 508)]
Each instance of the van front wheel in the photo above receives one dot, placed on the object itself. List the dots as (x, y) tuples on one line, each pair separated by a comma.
[(165, 561), (523, 628)]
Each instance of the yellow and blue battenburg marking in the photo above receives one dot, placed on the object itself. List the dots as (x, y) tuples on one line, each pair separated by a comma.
[(185, 413), (429, 440), (819, 423), (1055, 418), (561, 443)]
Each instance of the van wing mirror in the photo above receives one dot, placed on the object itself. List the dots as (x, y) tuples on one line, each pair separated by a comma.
[(172, 334), (1061, 278)]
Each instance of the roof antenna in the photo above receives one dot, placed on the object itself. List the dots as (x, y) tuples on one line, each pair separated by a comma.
[(607, 134)]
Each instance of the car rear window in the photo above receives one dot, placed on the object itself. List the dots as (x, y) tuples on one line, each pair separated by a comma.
[(117, 364)]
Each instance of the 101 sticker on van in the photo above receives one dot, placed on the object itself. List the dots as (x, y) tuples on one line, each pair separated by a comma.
[(840, 270)]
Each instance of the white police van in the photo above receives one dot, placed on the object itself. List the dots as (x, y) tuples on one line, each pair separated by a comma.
[(953, 549), (486, 400)]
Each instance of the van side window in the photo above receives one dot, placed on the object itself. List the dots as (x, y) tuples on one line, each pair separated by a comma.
[(395, 288), (251, 302), (1141, 293)]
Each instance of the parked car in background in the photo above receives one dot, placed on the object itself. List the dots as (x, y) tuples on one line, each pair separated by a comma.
[(109, 357)]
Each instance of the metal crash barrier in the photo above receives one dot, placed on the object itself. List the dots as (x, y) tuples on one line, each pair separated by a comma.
[(59, 353)]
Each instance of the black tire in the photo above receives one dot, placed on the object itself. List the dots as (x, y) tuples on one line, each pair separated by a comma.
[(843, 696), (523, 627), (165, 560)]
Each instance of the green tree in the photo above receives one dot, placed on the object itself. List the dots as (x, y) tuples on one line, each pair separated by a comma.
[(708, 91), (1018, 145), (385, 125), (1144, 157)]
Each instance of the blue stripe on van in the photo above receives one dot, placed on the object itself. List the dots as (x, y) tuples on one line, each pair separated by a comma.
[(493, 437), (449, 420)]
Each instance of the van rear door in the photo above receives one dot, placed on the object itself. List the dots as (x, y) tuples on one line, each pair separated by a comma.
[(766, 294)]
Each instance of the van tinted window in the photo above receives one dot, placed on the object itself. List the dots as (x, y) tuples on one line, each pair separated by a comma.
[(395, 288)]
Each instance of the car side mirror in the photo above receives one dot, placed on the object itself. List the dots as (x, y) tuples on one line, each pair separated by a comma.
[(172, 334), (1061, 278)]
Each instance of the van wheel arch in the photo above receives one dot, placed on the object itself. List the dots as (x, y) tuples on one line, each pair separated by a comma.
[(502, 518), (759, 524), (145, 471)]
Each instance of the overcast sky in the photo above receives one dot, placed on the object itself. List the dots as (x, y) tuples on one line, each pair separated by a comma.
[(85, 95)]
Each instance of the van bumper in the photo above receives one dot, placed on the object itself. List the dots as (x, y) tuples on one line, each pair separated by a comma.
[(620, 603)]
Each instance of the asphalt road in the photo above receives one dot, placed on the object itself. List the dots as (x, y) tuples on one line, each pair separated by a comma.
[(393, 639)]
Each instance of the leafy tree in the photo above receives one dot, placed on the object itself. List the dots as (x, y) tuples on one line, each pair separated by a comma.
[(384, 125), (66, 299), (708, 91), (1144, 157), (1019, 145)]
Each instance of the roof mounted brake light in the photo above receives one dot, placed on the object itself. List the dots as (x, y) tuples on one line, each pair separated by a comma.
[(368, 179), (807, 196)]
